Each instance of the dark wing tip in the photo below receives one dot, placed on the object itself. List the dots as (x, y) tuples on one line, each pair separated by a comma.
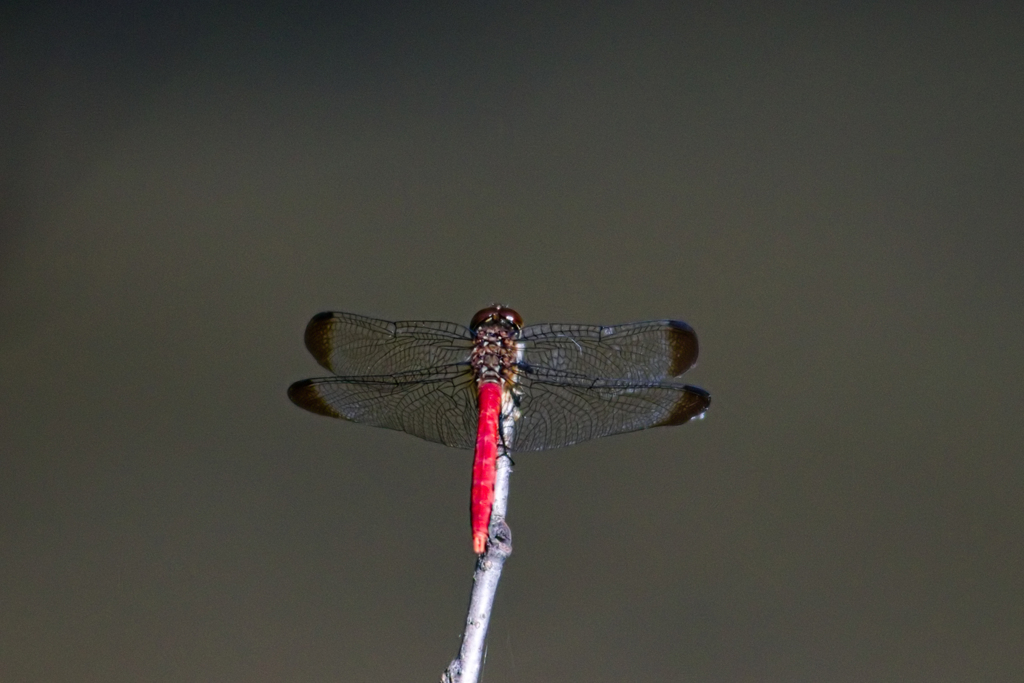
[(682, 341), (318, 337), (693, 402), (305, 395)]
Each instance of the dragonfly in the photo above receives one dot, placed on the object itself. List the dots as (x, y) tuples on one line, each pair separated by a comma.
[(497, 382)]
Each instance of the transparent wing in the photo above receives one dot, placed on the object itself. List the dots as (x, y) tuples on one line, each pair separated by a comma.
[(559, 409), (349, 344), (437, 405), (641, 352)]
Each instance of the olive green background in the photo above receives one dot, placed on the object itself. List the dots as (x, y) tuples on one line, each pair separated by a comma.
[(832, 195)]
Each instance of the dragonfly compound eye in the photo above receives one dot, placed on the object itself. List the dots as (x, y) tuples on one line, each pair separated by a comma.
[(495, 313)]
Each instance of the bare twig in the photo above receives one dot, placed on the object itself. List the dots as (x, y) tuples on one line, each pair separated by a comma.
[(466, 669)]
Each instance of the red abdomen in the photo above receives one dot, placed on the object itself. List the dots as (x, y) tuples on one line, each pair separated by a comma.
[(485, 463)]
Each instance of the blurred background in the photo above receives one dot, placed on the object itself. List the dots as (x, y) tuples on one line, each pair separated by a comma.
[(831, 195)]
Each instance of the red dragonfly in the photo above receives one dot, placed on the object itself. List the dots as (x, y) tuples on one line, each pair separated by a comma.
[(553, 384)]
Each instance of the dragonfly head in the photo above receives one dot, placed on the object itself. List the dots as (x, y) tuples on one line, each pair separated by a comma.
[(496, 313)]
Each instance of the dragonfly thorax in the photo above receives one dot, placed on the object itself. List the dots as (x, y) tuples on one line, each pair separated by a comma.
[(494, 352)]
